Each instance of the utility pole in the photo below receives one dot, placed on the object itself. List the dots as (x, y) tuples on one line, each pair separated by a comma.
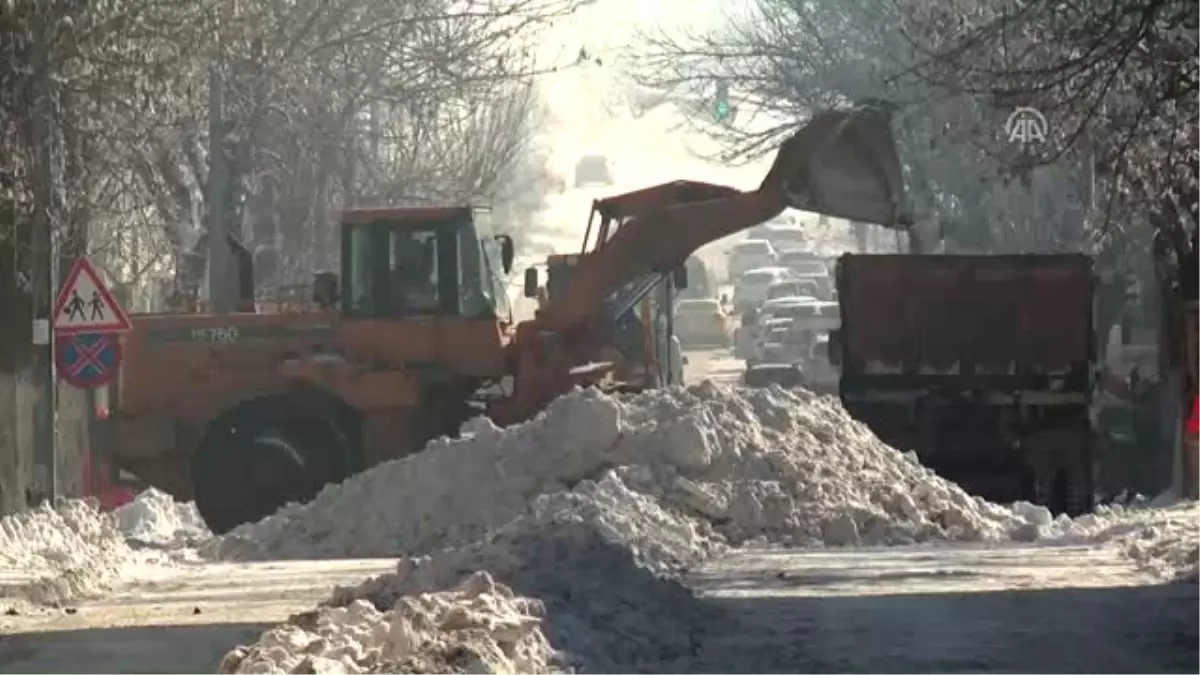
[(217, 198), (42, 254)]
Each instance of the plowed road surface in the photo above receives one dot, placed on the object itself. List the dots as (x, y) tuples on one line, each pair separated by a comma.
[(948, 610)]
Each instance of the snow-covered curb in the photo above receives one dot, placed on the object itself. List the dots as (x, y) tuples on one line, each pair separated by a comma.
[(57, 554)]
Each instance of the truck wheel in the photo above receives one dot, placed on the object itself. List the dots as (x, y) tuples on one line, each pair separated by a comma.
[(251, 465)]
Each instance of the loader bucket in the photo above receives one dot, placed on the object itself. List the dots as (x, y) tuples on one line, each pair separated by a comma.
[(843, 164)]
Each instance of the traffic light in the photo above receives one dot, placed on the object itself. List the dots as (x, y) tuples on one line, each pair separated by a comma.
[(721, 107)]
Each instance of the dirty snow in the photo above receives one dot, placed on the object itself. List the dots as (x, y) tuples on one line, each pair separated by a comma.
[(57, 554), (595, 507), (1163, 541), (585, 520), (478, 626), (156, 520), (54, 554), (784, 466)]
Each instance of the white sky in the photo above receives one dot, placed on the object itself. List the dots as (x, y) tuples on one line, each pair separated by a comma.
[(645, 151)]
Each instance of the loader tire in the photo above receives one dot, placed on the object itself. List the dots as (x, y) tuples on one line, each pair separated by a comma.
[(254, 462)]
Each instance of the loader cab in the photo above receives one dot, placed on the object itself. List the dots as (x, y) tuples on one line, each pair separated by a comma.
[(410, 262)]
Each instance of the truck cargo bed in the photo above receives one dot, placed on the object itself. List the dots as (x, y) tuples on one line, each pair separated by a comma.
[(981, 364), (988, 319)]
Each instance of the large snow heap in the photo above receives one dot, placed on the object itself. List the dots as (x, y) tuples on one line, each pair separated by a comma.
[(590, 508)]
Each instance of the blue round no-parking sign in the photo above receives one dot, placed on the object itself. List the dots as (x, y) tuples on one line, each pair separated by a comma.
[(87, 360)]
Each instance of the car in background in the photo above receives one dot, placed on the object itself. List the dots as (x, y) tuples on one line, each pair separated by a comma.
[(791, 307), (786, 375), (776, 346), (806, 314), (809, 266), (750, 288), (794, 288), (593, 170), (701, 284), (820, 373), (786, 238), (702, 322), (750, 254)]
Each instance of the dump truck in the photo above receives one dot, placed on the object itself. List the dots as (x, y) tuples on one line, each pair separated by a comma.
[(981, 364), (248, 411)]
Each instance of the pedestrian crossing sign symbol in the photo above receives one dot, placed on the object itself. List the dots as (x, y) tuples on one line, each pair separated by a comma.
[(85, 304)]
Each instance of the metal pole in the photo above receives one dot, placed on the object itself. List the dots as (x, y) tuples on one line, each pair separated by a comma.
[(42, 257)]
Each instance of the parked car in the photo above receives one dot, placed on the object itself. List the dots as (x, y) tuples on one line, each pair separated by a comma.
[(750, 254), (593, 170), (750, 289), (702, 322)]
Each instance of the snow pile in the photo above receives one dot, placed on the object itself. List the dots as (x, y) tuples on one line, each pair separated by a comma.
[(54, 554), (1163, 541), (595, 504), (577, 553), (479, 626), (155, 519), (789, 467)]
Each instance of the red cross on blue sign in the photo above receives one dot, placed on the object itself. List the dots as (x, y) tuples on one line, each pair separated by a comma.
[(87, 360)]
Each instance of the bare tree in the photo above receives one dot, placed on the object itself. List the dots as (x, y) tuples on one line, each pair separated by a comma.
[(1117, 75), (788, 57), (301, 82)]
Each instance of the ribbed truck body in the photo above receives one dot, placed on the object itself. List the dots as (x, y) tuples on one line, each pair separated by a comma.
[(983, 365)]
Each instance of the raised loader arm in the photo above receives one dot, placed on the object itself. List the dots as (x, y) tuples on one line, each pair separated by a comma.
[(841, 164)]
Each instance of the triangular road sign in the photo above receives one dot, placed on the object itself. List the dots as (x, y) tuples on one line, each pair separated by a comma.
[(85, 305)]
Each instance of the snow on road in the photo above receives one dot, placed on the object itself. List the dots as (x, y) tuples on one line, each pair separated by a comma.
[(171, 619), (1011, 608), (649, 543), (717, 365)]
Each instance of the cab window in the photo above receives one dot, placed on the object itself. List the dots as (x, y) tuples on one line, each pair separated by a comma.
[(392, 271), (413, 271)]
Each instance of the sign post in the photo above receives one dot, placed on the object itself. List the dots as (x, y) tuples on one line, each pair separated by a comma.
[(86, 319)]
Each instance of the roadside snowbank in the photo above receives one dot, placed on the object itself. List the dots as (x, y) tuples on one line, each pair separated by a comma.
[(55, 554), (1164, 541), (155, 519), (592, 507)]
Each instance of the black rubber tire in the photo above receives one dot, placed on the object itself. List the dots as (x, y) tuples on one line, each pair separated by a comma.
[(219, 480), (251, 466)]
